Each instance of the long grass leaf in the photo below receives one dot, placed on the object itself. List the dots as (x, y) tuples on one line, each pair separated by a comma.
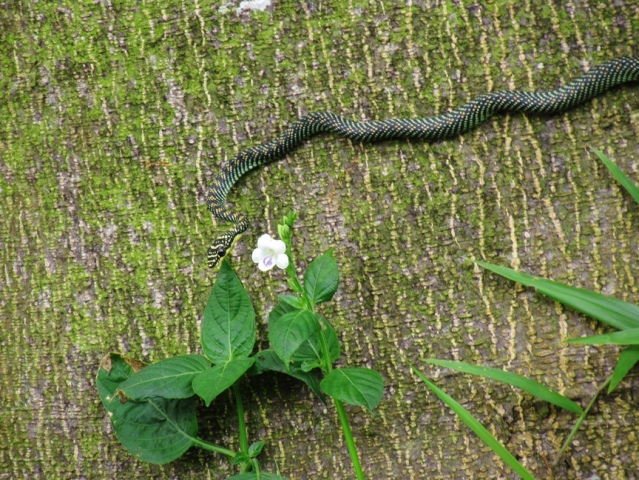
[(622, 337), (627, 359), (616, 313), (526, 384), (616, 172), (478, 428)]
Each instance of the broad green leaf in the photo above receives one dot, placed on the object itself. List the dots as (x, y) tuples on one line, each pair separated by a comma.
[(292, 300), (155, 430), (267, 360), (357, 386), (619, 175), (169, 378), (622, 337), (614, 312), (228, 326), (322, 278), (290, 331), (210, 383), (627, 359), (530, 386), (256, 476), (478, 428), (310, 352)]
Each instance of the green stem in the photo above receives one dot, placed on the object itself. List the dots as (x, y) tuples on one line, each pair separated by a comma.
[(244, 446), (212, 448), (295, 284), (341, 413), (580, 420)]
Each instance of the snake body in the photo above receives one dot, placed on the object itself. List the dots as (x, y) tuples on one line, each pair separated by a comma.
[(456, 122)]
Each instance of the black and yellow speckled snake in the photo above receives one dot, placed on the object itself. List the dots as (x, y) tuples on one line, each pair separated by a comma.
[(464, 118)]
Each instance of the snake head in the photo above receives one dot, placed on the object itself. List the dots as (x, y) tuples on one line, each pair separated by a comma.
[(216, 252)]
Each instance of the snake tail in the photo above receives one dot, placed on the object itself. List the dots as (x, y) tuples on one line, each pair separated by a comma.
[(451, 124)]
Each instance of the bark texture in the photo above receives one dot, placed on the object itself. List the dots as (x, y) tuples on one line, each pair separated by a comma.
[(115, 115)]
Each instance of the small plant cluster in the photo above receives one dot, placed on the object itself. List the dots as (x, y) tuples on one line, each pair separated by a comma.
[(152, 408)]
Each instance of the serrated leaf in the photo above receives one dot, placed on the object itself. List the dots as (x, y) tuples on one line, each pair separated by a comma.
[(616, 172), (614, 312), (210, 383), (628, 358), (477, 427), (267, 360), (531, 386), (155, 430), (169, 378), (322, 278), (290, 331), (228, 326), (357, 386)]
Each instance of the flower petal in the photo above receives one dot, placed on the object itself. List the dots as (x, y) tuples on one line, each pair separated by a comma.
[(257, 255), (264, 241), (278, 246), (281, 261), (266, 263)]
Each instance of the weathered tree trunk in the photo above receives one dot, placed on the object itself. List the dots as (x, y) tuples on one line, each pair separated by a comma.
[(115, 115)]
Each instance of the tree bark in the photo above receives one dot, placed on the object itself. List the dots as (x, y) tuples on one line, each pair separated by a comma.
[(116, 115)]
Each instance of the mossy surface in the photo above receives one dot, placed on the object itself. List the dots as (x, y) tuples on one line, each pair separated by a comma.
[(117, 114)]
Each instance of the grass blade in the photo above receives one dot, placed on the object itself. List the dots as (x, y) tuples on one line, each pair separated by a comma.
[(627, 359), (616, 313), (622, 337), (477, 427), (531, 386), (616, 172)]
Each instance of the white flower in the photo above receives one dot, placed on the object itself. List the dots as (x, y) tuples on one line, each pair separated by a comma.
[(270, 252)]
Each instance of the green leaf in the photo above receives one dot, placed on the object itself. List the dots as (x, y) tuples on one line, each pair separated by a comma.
[(290, 331), (629, 336), (169, 378), (478, 428), (256, 448), (526, 384), (256, 476), (322, 278), (627, 359), (614, 312), (267, 360), (240, 458), (309, 355), (210, 383), (228, 326), (357, 386), (628, 184), (292, 300), (155, 430)]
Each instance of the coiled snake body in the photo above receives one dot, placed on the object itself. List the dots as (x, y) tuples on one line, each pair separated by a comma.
[(464, 118)]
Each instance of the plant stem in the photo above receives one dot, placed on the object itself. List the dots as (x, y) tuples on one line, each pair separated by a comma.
[(341, 413), (244, 446), (212, 448), (580, 420)]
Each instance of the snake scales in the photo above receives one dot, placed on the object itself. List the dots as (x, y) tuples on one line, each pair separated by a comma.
[(456, 122)]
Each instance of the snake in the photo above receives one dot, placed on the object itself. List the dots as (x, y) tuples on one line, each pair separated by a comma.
[(456, 122)]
